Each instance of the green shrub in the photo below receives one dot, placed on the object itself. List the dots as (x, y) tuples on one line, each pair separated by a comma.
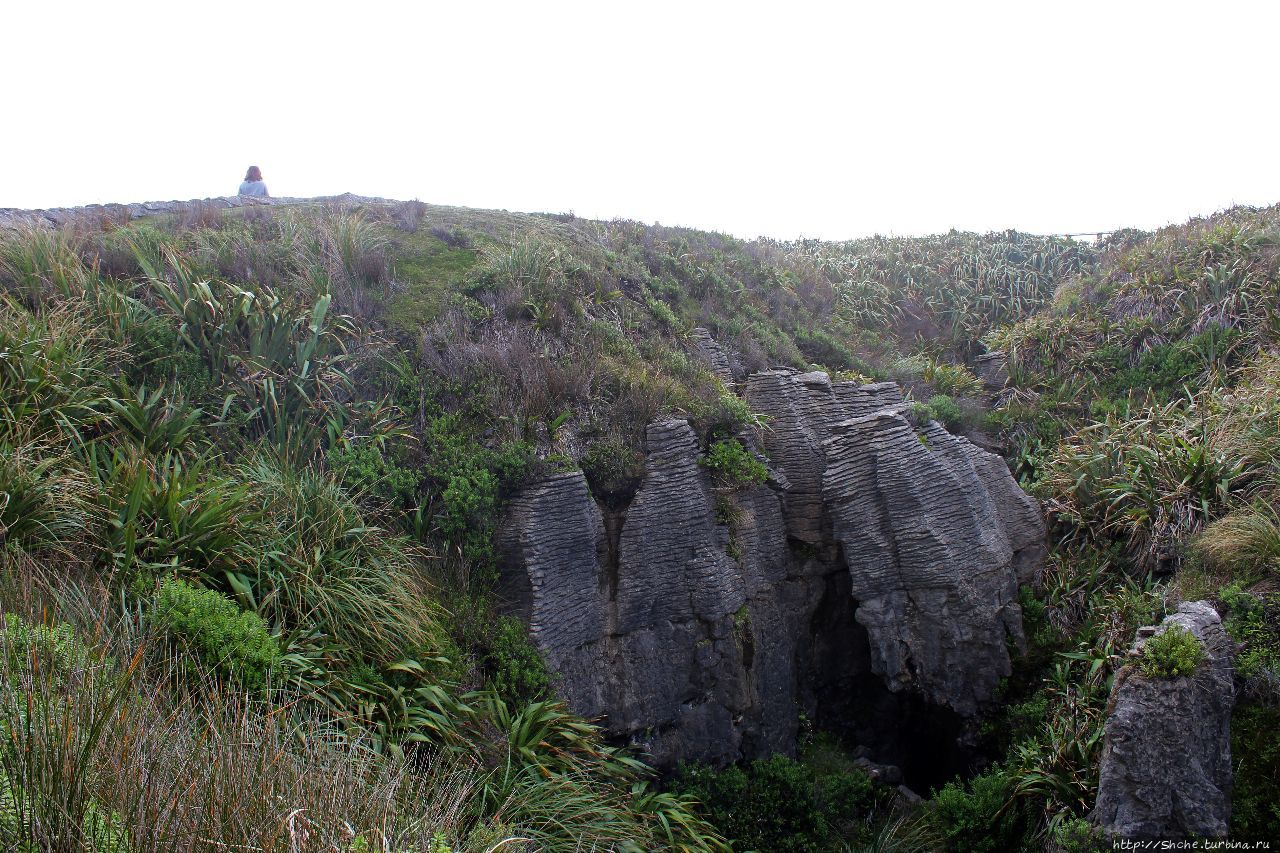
[(207, 624), (662, 311), (1164, 370), (733, 465), (1255, 753), (156, 354), (973, 817), (466, 484), (50, 648), (824, 348), (779, 804), (945, 410), (513, 665), (364, 469), (612, 467), (1173, 653), (1254, 623), (1077, 835), (922, 413), (729, 415)]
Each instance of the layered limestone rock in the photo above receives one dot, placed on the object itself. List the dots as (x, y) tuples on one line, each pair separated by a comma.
[(1166, 761), (992, 369), (932, 536), (650, 629), (699, 621), (712, 353)]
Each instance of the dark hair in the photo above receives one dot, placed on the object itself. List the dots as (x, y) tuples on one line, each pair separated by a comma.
[(254, 174)]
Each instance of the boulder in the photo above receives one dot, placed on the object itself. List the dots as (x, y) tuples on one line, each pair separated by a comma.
[(992, 370), (1166, 760)]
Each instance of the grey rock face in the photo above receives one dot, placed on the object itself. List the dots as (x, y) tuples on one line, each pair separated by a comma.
[(699, 621), (554, 533), (992, 369), (1166, 761), (651, 631), (712, 353), (931, 539)]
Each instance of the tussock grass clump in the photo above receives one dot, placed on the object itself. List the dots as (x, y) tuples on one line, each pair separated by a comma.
[(323, 565), (37, 263), (1245, 544), (53, 373)]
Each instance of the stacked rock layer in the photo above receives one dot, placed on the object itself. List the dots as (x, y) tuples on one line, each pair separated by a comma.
[(878, 560)]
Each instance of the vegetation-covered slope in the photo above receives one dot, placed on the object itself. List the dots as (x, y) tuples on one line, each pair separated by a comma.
[(251, 464)]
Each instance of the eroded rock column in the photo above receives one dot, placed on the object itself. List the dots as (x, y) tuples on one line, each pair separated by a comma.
[(1166, 762)]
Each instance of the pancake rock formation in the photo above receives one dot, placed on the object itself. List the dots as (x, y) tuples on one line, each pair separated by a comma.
[(1166, 761), (870, 583)]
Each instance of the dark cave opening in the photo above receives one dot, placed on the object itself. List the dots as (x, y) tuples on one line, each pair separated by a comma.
[(845, 698)]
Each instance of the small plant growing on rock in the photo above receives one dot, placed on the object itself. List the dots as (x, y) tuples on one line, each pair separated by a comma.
[(1173, 653), (733, 465), (946, 410)]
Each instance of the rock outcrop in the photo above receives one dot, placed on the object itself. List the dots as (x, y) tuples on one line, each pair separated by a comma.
[(1166, 761), (992, 370), (877, 565), (933, 537), (713, 354)]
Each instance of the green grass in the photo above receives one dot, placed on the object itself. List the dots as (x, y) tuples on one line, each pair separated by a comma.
[(431, 273)]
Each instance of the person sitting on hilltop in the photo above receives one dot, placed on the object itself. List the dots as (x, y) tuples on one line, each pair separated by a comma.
[(253, 184)]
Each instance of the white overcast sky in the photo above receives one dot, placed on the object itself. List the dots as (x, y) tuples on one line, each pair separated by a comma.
[(788, 118)]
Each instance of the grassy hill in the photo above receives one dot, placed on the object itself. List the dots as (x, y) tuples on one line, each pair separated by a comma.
[(251, 463)]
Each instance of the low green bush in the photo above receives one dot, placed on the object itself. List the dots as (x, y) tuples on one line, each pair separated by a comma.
[(947, 411), (54, 648), (973, 817), (1163, 370), (1173, 653), (206, 623), (365, 469), (779, 804), (922, 413), (1254, 623), (612, 467), (466, 484), (513, 665), (824, 348), (733, 465), (1078, 836), (729, 415), (1255, 752)]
